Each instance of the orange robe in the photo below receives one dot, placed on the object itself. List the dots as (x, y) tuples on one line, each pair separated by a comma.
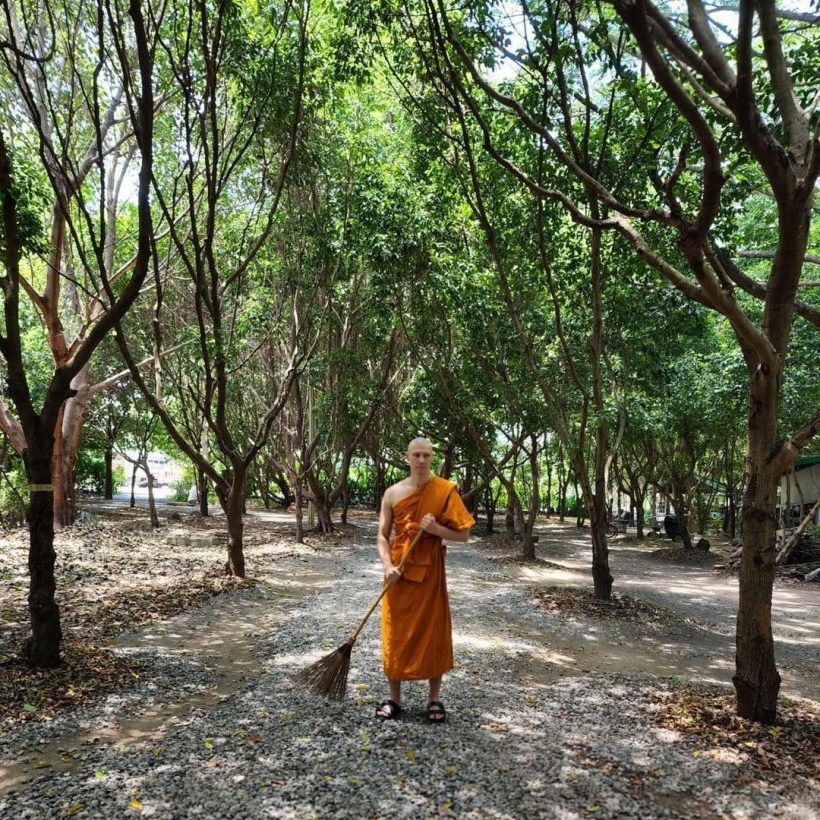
[(417, 640)]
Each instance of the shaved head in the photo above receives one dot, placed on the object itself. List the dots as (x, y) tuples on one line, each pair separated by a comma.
[(419, 441)]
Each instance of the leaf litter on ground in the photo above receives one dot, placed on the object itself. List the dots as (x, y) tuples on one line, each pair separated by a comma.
[(790, 747), (113, 575)]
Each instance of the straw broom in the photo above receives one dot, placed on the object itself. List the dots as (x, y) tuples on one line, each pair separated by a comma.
[(328, 676)]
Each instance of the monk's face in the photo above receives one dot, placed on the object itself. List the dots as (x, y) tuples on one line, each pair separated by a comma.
[(420, 459)]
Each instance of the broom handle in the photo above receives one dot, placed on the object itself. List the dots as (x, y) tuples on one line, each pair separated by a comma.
[(404, 557)]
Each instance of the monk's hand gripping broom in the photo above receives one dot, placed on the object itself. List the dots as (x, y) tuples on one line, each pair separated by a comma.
[(328, 676)]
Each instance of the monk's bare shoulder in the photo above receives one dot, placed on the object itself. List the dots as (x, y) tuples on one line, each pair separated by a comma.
[(396, 492)]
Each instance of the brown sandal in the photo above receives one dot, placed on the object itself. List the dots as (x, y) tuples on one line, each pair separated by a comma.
[(435, 712), (388, 710)]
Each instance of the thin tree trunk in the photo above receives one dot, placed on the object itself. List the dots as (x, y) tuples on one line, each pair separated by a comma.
[(58, 478), (528, 549), (447, 461), (42, 648), (639, 513), (300, 521), (133, 501), (509, 513), (601, 575), (324, 519), (234, 507), (345, 502), (489, 508), (379, 486), (152, 506), (108, 489), (202, 487), (579, 503), (549, 488), (756, 679)]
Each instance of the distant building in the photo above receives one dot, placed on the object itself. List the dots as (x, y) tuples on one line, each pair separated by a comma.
[(165, 469), (799, 490)]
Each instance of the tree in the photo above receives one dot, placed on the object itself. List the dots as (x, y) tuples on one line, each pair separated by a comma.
[(239, 81), (714, 101), (67, 293), (85, 231)]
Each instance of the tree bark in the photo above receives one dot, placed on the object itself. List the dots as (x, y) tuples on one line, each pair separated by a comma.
[(509, 512), (108, 489), (379, 486), (42, 648), (133, 501), (202, 487), (152, 504), (300, 528), (58, 478), (601, 575), (756, 679), (345, 502), (528, 548), (489, 509), (683, 518), (234, 508)]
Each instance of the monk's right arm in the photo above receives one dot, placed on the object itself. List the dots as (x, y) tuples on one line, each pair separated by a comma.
[(391, 573)]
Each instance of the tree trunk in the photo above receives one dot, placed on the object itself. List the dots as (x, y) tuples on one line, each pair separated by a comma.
[(281, 481), (518, 513), (756, 678), (579, 504), (446, 468), (234, 506), (509, 513), (562, 500), (470, 498), (42, 648), (108, 489), (379, 486), (58, 478), (300, 525), (601, 576), (535, 503), (489, 509), (683, 518), (596, 506), (133, 501), (324, 520), (202, 487), (152, 505), (639, 516), (549, 488), (321, 504), (345, 502)]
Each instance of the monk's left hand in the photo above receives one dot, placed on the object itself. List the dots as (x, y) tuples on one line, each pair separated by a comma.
[(429, 524)]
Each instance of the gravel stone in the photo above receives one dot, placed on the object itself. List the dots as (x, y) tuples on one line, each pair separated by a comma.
[(512, 746)]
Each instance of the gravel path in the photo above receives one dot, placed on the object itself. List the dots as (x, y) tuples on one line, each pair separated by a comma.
[(526, 736)]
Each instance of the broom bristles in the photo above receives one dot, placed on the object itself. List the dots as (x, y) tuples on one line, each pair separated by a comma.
[(328, 676)]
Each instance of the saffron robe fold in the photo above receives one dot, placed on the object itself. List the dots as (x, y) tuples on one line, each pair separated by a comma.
[(417, 641)]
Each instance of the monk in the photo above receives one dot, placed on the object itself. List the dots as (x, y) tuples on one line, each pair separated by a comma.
[(417, 641)]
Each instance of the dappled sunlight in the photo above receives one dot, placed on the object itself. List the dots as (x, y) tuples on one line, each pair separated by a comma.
[(537, 574)]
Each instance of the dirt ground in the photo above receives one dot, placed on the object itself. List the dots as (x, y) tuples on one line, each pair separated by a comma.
[(691, 632), (121, 584)]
